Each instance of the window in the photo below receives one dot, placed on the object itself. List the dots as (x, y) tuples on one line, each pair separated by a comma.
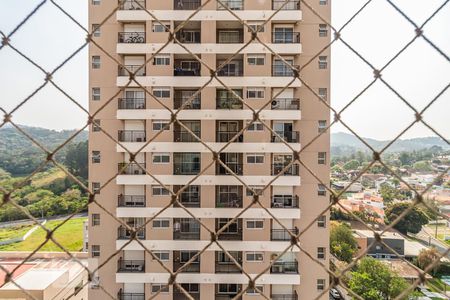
[(323, 63), (96, 30), (161, 92), (256, 26), (96, 125), (256, 126), (228, 288), (322, 125), (323, 93), (96, 2), (254, 291), (322, 158), (158, 190), (323, 30), (160, 125), (254, 256), (255, 224), (163, 27), (161, 60), (320, 284), (322, 222), (255, 93), (95, 250), (95, 157), (162, 288), (95, 219), (321, 190), (161, 223), (256, 59), (320, 252), (254, 158), (95, 93), (258, 190), (161, 158), (96, 187), (95, 62), (162, 255)]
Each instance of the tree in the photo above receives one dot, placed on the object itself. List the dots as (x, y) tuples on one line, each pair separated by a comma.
[(342, 242), (427, 257), (76, 159), (411, 222), (351, 165), (389, 193), (422, 166), (405, 158), (373, 280)]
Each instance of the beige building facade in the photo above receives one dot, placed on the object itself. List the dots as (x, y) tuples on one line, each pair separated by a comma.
[(174, 78)]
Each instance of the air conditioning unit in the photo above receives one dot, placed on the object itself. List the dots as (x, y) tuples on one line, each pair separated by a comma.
[(275, 104)]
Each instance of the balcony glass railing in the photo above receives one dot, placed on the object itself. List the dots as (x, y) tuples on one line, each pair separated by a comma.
[(186, 72), (193, 267), (131, 103), (229, 103), (231, 69), (293, 170), (183, 136), (138, 70), (285, 104), (131, 266), (130, 296), (131, 201), (285, 37), (229, 200), (228, 266), (283, 70), (132, 4), (229, 37), (282, 234), (179, 101), (286, 5), (287, 136), (236, 168), (189, 36), (124, 233), (131, 37), (189, 199), (285, 201), (186, 235), (186, 168), (284, 267), (186, 4), (133, 136), (226, 136), (131, 168)]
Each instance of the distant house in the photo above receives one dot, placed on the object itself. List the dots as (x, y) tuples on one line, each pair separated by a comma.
[(405, 270), (368, 201), (394, 240)]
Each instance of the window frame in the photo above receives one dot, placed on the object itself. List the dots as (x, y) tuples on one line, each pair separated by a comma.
[(256, 58), (320, 284), (161, 288), (95, 220), (96, 30), (259, 93), (95, 252), (161, 190), (255, 222), (323, 62), (96, 94), (322, 221), (163, 124), (254, 127), (94, 63), (321, 190), (160, 155), (255, 157), (96, 156), (161, 92), (156, 24), (322, 125), (163, 252), (321, 160), (323, 30), (321, 253), (255, 254), (164, 58)]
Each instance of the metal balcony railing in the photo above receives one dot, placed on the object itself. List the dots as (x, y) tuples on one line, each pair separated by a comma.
[(186, 72), (131, 169), (193, 267), (283, 70), (236, 168), (285, 104), (290, 5), (231, 4), (178, 102), (284, 201), (130, 296), (189, 36), (292, 296), (282, 234), (182, 136), (131, 103), (231, 236), (131, 201), (229, 103), (229, 37), (139, 70), (131, 266), (132, 4), (186, 4), (228, 200), (284, 267), (230, 70), (189, 199), (226, 136), (285, 37), (186, 168), (131, 37), (137, 136), (228, 266), (188, 235), (287, 136), (125, 234), (182, 296), (293, 170)]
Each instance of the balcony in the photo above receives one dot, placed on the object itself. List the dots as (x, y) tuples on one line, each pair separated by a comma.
[(130, 296), (284, 267), (186, 168), (236, 168), (124, 233), (225, 265), (228, 196), (229, 103), (132, 4), (189, 36), (131, 37), (282, 234), (186, 229), (231, 4), (130, 266), (138, 70), (131, 103), (292, 296), (282, 5), (181, 296), (285, 104), (284, 201), (131, 168), (228, 36), (232, 232), (193, 267), (286, 136), (285, 37), (233, 68), (186, 67), (132, 136), (179, 100), (131, 201), (226, 136), (183, 136), (190, 197), (186, 4), (283, 70), (293, 170)]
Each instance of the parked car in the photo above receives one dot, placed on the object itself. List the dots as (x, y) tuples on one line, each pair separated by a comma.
[(335, 294)]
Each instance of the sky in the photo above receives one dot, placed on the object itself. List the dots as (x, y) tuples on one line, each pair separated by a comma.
[(377, 33)]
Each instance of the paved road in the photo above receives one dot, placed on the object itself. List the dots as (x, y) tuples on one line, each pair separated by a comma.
[(426, 237), (30, 222)]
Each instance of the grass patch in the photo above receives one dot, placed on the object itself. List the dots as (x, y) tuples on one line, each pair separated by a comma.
[(46, 178), (437, 285), (14, 232), (69, 235)]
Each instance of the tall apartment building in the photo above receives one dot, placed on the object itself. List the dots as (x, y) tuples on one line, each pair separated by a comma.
[(174, 156)]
